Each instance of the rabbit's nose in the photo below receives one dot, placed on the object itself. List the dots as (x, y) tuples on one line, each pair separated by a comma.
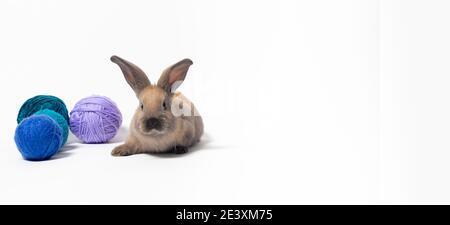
[(153, 123)]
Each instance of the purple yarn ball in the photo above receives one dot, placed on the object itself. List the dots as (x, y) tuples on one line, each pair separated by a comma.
[(95, 119)]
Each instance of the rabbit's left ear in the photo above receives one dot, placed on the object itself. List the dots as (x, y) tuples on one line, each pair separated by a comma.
[(173, 76)]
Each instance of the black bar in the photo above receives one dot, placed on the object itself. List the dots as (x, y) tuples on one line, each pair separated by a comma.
[(225, 214)]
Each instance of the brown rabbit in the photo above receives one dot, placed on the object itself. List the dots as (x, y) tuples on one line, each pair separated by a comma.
[(164, 121)]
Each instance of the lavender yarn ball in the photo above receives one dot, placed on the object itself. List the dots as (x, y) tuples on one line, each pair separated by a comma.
[(95, 119)]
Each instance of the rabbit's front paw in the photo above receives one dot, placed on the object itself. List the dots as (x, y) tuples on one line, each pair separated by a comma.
[(121, 150)]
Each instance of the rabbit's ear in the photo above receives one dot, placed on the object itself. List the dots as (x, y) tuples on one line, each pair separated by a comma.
[(173, 76), (135, 77)]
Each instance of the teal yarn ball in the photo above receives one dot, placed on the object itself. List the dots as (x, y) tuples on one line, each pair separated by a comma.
[(38, 137), (58, 119), (39, 102)]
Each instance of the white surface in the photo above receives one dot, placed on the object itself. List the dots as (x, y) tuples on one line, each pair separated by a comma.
[(303, 101), (415, 53)]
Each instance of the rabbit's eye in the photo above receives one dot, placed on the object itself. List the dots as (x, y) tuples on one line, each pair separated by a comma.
[(164, 105), (142, 106)]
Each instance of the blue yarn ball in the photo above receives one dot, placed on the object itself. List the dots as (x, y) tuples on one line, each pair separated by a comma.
[(59, 119), (38, 137)]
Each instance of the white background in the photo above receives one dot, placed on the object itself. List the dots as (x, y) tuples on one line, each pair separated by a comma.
[(304, 102), (415, 69)]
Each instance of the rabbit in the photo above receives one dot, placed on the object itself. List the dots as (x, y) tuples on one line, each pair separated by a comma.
[(165, 120)]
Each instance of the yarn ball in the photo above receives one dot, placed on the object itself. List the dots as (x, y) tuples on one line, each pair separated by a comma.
[(39, 102), (38, 137), (59, 119), (95, 119)]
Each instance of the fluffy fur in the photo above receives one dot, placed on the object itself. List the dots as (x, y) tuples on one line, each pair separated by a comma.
[(164, 121)]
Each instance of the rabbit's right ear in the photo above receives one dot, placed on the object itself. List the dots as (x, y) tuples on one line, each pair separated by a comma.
[(135, 77)]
